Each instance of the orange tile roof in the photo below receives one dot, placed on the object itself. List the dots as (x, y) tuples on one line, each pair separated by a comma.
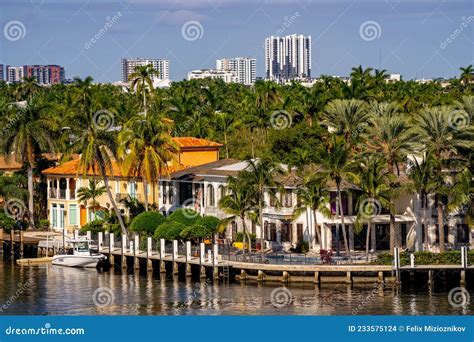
[(192, 142), (10, 165), (72, 168)]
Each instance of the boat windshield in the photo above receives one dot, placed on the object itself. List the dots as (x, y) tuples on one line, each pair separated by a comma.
[(82, 246)]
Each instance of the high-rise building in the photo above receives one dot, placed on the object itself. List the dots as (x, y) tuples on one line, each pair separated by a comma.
[(160, 65), (243, 68), (13, 74), (1, 73), (288, 57), (44, 74), (225, 75)]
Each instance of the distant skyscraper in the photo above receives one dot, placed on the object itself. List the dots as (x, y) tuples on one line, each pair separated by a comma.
[(161, 65), (243, 68), (44, 74), (288, 57), (1, 73), (226, 75)]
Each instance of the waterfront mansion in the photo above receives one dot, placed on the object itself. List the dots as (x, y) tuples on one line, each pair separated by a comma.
[(201, 187), (65, 211)]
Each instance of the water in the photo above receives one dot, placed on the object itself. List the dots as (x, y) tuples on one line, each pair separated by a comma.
[(55, 290)]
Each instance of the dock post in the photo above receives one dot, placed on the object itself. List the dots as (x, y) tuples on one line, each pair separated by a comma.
[(76, 233), (215, 261), (12, 242), (188, 258), (243, 275), (349, 277), (100, 240), (136, 252), (260, 276), (430, 277), (463, 278), (162, 256), (124, 250), (396, 259), (149, 263), (381, 277), (202, 253), (111, 249), (21, 244), (285, 277), (89, 235), (316, 277), (175, 257), (464, 257)]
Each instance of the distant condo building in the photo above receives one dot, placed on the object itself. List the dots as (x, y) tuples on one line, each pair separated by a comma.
[(160, 65), (288, 57), (243, 68), (225, 75), (1, 73), (44, 74)]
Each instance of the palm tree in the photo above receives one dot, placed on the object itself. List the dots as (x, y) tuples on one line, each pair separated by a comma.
[(421, 178), (467, 74), (31, 131), (94, 137), (433, 127), (239, 203), (85, 194), (388, 135), (146, 147), (261, 175), (335, 162), (226, 123), (314, 194), (374, 185), (141, 81), (345, 117), (27, 89)]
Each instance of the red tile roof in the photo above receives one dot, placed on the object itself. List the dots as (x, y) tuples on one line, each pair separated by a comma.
[(191, 142)]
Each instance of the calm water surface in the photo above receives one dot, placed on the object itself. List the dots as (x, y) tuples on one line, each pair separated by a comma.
[(55, 290)]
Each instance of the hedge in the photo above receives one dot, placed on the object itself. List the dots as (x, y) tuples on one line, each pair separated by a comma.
[(426, 258), (147, 222)]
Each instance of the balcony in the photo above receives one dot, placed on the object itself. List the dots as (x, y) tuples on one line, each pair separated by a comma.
[(53, 192)]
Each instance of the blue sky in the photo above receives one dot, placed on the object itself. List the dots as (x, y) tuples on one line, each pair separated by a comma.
[(412, 35)]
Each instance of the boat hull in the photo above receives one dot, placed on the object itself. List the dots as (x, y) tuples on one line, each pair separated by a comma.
[(77, 260)]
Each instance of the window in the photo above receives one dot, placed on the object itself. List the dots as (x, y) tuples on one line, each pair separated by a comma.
[(170, 193), (132, 189), (299, 232), (61, 216), (288, 201), (164, 187), (73, 214), (211, 196), (222, 191), (272, 195), (54, 215)]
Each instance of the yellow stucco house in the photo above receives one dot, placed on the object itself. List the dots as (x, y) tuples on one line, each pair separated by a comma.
[(66, 211)]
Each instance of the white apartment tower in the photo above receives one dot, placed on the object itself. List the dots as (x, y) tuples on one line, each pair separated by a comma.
[(288, 57), (161, 65), (243, 68)]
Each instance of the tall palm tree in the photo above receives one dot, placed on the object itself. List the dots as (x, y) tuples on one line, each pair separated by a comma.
[(421, 178), (27, 89), (467, 74), (146, 147), (30, 132), (335, 161), (345, 117), (315, 195), (433, 128), (141, 81), (226, 123), (261, 175), (388, 135), (94, 137), (90, 193), (374, 185), (239, 203)]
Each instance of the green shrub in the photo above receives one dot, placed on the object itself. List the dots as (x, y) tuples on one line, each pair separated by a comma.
[(6, 222), (95, 226), (185, 216), (302, 247), (240, 237), (205, 227), (169, 230), (426, 258), (147, 222), (43, 224)]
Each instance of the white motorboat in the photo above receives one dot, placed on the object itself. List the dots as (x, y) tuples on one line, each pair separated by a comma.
[(78, 255)]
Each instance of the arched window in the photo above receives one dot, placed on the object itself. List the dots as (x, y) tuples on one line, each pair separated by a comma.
[(222, 191), (211, 196)]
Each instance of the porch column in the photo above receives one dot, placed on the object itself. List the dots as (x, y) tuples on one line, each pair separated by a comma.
[(67, 189), (57, 187), (351, 237)]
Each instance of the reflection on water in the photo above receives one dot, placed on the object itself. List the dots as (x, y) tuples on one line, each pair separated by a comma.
[(55, 290)]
